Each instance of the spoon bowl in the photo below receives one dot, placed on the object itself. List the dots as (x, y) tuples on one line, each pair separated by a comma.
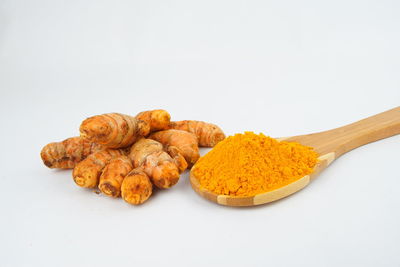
[(329, 145)]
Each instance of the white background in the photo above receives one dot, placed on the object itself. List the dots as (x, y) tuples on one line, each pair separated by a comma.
[(278, 67)]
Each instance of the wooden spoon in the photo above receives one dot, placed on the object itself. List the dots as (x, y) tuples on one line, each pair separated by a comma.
[(329, 144)]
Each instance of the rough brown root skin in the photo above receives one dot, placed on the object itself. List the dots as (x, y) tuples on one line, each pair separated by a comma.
[(178, 158), (156, 163), (66, 154), (158, 119), (113, 174), (185, 141), (113, 130), (136, 187), (161, 169), (141, 149), (165, 175), (208, 134), (87, 172)]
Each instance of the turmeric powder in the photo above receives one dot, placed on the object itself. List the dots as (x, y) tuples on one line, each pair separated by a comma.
[(249, 164)]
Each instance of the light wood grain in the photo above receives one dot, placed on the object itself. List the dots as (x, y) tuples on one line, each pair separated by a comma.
[(329, 144)]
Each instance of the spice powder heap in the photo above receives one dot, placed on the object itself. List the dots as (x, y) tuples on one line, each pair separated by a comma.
[(249, 164)]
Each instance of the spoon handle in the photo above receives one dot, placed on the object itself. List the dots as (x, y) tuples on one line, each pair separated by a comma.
[(343, 139)]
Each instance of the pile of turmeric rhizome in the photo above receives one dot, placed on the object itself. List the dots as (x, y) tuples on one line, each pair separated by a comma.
[(125, 156)]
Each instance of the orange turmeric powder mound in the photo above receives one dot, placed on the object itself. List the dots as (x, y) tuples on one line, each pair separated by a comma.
[(249, 164)]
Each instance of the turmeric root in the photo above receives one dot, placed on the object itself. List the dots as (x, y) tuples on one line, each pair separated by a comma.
[(156, 163), (87, 172), (158, 119), (113, 152), (113, 130), (161, 170), (66, 154), (208, 134), (186, 142), (178, 158), (141, 149), (113, 174), (136, 187)]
